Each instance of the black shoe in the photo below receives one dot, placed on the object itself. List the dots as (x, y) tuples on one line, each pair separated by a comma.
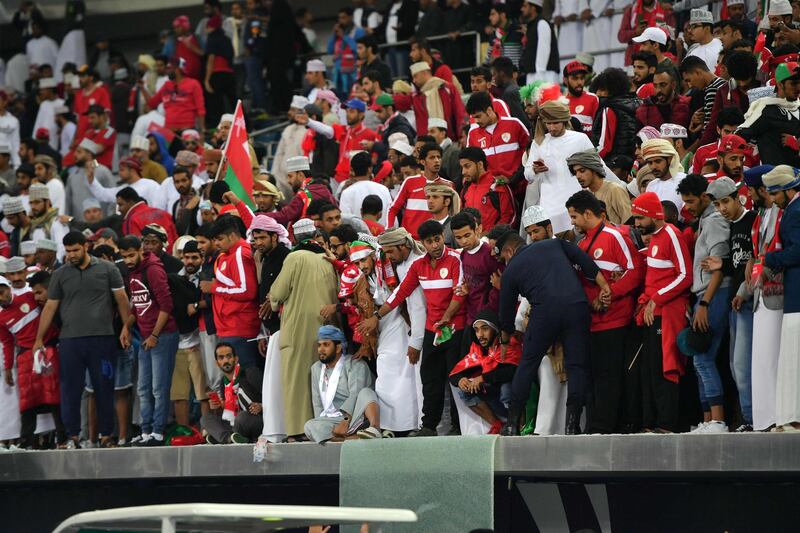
[(744, 428), (573, 426), (511, 428), (153, 442), (454, 431), (423, 432)]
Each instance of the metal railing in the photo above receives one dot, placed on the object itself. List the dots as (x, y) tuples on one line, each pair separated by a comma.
[(474, 35)]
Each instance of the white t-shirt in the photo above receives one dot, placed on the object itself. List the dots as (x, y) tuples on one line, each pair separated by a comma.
[(353, 196), (707, 52), (668, 190)]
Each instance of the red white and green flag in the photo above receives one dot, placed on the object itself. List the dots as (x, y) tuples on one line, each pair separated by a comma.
[(238, 173)]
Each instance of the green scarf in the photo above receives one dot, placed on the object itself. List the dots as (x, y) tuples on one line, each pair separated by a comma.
[(45, 222)]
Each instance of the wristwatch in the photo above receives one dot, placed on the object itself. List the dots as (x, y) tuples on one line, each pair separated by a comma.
[(196, 306), (377, 314), (703, 303)]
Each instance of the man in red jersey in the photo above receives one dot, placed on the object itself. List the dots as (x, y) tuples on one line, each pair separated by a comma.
[(583, 105)]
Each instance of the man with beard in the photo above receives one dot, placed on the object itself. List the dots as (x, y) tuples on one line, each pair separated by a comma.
[(583, 105), (588, 169), (184, 209), (271, 243), (46, 172), (77, 190), (728, 121), (396, 385), (182, 97), (18, 219), (644, 66), (100, 133), (504, 78), (724, 194), (774, 123), (152, 312), (662, 309), (345, 404), (83, 292), (44, 217), (443, 202), (290, 143), (662, 158), (304, 267), (483, 376), (235, 404), (411, 199), (666, 105), (731, 156), (189, 373), (783, 184), (38, 390), (154, 239), (306, 189), (737, 14), (349, 137), (546, 169), (152, 170), (130, 173), (767, 300)]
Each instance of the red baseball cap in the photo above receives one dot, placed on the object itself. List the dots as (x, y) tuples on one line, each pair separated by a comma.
[(575, 67), (733, 144), (42, 133)]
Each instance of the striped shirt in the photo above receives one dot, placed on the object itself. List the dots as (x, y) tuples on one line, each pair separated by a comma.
[(709, 93)]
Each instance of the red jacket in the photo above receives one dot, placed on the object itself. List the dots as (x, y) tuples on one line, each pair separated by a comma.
[(99, 95), (483, 364), (454, 112), (141, 215), (107, 139), (235, 291), (349, 139), (504, 144), (183, 103), (584, 108), (438, 283), (669, 266), (150, 296), (411, 199), (623, 267), (19, 323), (479, 196), (649, 115)]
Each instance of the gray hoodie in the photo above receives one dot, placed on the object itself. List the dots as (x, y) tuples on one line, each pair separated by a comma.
[(712, 239)]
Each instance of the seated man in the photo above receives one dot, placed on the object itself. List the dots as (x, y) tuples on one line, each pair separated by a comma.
[(484, 378), (345, 405), (235, 408)]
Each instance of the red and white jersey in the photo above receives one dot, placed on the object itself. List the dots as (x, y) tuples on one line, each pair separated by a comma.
[(669, 266), (504, 143), (584, 108), (622, 266), (411, 200), (19, 323), (438, 282)]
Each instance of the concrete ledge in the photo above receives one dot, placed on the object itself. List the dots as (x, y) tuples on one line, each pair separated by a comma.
[(594, 456)]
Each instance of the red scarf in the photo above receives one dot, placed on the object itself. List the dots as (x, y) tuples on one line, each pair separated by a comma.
[(774, 286), (231, 401), (655, 17), (500, 35)]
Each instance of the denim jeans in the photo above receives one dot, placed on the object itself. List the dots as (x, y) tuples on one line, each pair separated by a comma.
[(709, 382), (496, 397), (155, 380), (741, 357), (246, 351), (254, 66)]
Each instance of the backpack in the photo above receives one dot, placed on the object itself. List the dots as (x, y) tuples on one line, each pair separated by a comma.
[(183, 292)]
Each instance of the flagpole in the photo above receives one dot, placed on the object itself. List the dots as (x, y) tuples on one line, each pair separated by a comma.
[(227, 142)]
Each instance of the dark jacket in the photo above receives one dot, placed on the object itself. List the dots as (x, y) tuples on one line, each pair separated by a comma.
[(650, 113), (184, 292), (512, 99), (407, 18), (172, 265), (185, 220), (431, 22), (326, 156), (787, 260), (271, 266), (627, 125), (767, 132), (398, 124), (381, 68), (207, 274), (250, 379), (527, 63)]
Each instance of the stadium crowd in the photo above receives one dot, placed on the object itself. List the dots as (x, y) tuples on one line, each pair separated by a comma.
[(533, 249)]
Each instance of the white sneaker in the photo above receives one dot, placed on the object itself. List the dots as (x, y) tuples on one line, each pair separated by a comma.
[(698, 428), (87, 444), (140, 440), (715, 426)]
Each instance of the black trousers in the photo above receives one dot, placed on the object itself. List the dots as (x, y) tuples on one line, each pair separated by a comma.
[(607, 359), (222, 100), (632, 382), (434, 370), (569, 324), (660, 397), (28, 423)]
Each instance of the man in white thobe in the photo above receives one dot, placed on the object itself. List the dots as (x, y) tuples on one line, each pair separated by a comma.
[(46, 117)]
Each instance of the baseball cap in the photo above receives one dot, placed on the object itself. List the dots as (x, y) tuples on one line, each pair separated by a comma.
[(784, 71), (575, 67), (652, 34), (721, 187), (355, 103), (96, 109), (384, 99)]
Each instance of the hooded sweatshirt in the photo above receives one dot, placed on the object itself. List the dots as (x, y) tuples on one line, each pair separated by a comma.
[(150, 295)]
